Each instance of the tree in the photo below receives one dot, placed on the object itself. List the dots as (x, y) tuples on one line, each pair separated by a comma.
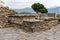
[(37, 7)]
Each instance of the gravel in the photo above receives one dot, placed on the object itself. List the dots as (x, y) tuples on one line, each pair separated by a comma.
[(18, 34)]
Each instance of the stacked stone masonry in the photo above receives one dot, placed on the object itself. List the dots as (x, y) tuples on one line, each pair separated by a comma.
[(36, 26), (4, 12), (33, 25)]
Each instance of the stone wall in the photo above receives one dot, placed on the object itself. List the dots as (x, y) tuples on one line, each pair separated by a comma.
[(22, 17), (36, 26), (4, 12)]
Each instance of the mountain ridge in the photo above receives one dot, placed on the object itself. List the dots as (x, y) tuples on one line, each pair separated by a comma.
[(25, 10), (54, 10), (50, 10)]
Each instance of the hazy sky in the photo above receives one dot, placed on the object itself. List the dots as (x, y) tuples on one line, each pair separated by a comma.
[(27, 3)]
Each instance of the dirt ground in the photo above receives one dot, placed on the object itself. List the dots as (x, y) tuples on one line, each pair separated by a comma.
[(18, 34)]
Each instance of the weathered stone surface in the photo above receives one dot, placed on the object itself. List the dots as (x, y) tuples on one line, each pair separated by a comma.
[(36, 26), (4, 12), (18, 34)]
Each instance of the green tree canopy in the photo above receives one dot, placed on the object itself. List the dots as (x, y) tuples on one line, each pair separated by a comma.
[(37, 7)]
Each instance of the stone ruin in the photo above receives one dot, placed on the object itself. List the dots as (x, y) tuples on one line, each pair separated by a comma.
[(4, 12), (32, 22), (26, 22)]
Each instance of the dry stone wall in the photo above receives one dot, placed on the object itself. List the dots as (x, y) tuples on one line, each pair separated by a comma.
[(4, 12), (36, 26)]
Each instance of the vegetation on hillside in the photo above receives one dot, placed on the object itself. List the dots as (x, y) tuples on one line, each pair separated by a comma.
[(25, 13)]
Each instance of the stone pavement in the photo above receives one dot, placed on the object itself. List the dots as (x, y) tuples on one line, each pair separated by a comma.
[(18, 34)]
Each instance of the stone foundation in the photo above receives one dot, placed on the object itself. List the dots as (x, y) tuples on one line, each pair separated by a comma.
[(36, 26)]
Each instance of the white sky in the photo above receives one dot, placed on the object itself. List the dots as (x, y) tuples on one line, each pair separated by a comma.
[(27, 3)]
